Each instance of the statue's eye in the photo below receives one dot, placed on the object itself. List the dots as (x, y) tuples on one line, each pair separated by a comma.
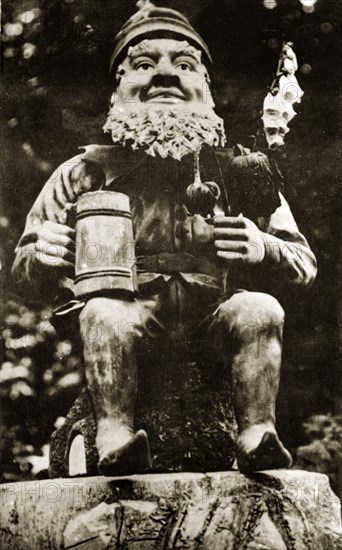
[(144, 66), (184, 66)]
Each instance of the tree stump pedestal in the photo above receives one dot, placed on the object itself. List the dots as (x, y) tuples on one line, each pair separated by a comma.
[(185, 408), (274, 510)]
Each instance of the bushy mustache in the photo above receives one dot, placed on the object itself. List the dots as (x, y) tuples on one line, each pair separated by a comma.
[(165, 81)]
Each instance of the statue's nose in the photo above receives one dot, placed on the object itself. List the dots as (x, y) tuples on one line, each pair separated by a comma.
[(165, 69), (165, 74)]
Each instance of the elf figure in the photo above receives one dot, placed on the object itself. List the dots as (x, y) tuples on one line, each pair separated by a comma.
[(191, 236)]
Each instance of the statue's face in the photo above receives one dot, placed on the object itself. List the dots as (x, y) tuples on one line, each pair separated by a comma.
[(164, 72)]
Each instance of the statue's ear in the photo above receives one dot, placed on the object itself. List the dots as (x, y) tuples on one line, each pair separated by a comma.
[(120, 71), (113, 98), (118, 75)]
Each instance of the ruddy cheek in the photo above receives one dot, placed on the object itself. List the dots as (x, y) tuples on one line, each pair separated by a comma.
[(199, 94), (129, 91), (197, 88)]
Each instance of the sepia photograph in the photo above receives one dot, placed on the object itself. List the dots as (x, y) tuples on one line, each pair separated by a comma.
[(171, 264)]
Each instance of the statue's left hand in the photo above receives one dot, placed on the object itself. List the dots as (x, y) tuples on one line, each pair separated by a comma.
[(238, 240)]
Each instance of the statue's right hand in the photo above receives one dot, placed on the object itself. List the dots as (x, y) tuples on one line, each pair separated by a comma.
[(55, 247)]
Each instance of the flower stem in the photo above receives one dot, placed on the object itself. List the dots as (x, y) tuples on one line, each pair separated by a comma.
[(197, 173)]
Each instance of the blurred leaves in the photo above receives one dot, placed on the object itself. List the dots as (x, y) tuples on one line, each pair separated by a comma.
[(40, 377), (324, 451)]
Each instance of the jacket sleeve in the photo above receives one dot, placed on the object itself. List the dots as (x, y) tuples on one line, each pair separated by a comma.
[(287, 251), (33, 280)]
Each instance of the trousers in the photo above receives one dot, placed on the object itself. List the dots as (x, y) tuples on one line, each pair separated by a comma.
[(244, 328)]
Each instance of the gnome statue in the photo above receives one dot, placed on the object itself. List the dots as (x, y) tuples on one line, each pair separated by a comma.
[(206, 259)]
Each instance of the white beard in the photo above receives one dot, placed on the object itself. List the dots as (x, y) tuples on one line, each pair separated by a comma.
[(172, 132)]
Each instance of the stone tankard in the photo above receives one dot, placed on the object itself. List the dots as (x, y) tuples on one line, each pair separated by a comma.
[(105, 257)]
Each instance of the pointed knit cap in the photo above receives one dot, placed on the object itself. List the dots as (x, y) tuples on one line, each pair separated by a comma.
[(154, 22)]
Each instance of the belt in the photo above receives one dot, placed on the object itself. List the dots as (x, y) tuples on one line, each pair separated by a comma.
[(169, 264)]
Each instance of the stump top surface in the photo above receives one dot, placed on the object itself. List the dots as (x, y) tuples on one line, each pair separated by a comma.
[(62, 513)]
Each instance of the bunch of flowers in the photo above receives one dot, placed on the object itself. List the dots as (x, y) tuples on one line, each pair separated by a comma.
[(167, 133)]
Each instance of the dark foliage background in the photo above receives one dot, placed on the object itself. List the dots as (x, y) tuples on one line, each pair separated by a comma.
[(55, 91)]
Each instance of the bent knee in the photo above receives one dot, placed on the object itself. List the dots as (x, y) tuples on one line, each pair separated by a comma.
[(109, 312), (252, 309)]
